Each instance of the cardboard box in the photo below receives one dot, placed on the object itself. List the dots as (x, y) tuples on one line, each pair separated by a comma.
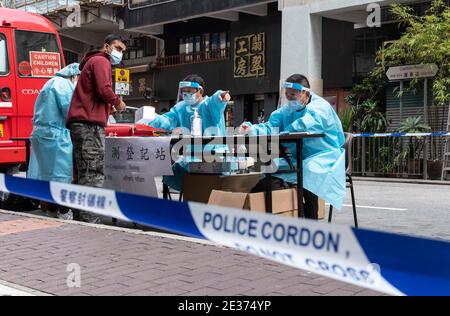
[(289, 214), (234, 192), (321, 209), (284, 202), (198, 187), (229, 199)]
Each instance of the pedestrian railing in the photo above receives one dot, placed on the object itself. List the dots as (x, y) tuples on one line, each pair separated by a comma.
[(399, 155)]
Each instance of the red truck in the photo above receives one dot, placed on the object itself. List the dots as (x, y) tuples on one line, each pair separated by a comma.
[(30, 54)]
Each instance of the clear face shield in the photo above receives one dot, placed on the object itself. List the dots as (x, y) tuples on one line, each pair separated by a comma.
[(294, 96), (190, 93)]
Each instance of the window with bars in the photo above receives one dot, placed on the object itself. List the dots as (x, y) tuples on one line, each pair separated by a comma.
[(204, 43), (139, 47)]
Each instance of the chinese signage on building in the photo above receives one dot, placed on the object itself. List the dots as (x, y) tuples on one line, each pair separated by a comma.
[(250, 56)]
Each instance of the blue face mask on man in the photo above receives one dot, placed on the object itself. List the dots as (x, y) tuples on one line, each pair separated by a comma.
[(295, 105), (190, 98), (116, 57), (295, 96)]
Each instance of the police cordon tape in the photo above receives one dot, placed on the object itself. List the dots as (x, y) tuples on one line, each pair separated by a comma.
[(377, 135), (407, 265)]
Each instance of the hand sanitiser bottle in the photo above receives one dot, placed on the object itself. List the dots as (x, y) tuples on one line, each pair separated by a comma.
[(242, 150), (196, 124)]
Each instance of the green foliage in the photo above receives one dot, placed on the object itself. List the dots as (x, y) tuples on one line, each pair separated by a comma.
[(346, 117), (414, 124), (368, 89), (368, 117), (386, 163), (402, 154), (426, 40)]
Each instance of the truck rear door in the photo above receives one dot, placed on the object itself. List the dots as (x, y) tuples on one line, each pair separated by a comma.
[(38, 58), (8, 100)]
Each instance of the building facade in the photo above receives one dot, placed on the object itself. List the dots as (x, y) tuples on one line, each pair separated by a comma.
[(245, 46), (238, 45), (233, 45)]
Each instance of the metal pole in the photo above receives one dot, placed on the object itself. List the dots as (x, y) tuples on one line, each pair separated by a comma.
[(401, 102), (363, 163), (425, 100), (425, 159), (301, 209), (401, 117), (425, 115), (268, 197)]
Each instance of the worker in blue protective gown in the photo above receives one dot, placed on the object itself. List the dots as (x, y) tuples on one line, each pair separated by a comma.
[(51, 155), (192, 102), (323, 158)]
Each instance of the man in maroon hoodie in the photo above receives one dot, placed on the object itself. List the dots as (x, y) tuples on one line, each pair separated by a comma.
[(92, 103)]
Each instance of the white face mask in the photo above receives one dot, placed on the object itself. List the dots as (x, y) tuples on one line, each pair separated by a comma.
[(296, 105), (190, 98), (116, 57)]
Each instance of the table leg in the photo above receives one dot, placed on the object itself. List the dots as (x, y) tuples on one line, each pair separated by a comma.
[(166, 192), (269, 208), (299, 147), (269, 193)]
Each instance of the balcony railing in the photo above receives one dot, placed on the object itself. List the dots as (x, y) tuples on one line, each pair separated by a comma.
[(53, 6), (194, 58)]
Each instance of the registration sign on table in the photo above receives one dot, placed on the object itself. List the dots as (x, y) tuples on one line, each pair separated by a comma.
[(132, 163)]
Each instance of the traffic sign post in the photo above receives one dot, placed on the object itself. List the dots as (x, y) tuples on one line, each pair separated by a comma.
[(122, 81), (410, 72)]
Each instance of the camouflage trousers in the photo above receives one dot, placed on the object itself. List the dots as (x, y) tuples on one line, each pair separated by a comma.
[(88, 159)]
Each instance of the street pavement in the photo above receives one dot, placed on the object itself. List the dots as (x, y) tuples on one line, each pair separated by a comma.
[(38, 254), (405, 208), (43, 255)]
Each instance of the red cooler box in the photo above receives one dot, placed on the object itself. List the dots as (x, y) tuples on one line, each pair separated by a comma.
[(128, 130)]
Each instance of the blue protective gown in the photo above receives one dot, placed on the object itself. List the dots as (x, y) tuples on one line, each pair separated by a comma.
[(323, 158), (211, 111), (51, 157)]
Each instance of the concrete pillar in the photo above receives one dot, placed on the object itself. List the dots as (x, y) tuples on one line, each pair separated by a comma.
[(301, 44)]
